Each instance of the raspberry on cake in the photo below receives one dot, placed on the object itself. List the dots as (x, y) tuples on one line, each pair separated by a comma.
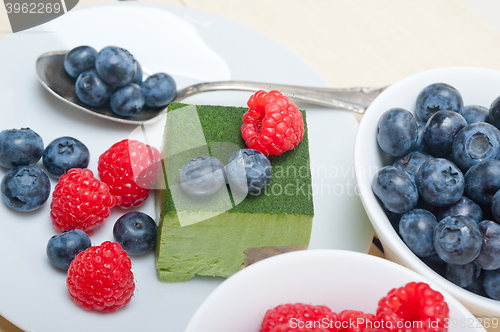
[(130, 168), (80, 201), (100, 278), (273, 124), (222, 233)]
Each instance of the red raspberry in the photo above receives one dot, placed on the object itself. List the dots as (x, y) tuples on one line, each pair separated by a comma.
[(129, 168), (100, 278), (273, 124), (355, 321), (417, 304), (296, 316), (80, 201)]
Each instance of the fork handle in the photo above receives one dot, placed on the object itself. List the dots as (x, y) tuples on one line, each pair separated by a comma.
[(352, 99)]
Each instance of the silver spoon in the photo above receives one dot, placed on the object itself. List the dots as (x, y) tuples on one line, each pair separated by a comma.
[(50, 72)]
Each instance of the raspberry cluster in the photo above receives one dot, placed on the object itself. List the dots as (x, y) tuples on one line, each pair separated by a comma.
[(415, 307)]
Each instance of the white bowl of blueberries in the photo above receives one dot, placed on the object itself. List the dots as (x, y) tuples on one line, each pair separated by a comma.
[(427, 163)]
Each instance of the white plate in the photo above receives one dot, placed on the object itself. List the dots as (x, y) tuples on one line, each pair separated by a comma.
[(338, 279), (193, 46)]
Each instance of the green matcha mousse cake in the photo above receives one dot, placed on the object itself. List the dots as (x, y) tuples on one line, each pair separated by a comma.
[(220, 234)]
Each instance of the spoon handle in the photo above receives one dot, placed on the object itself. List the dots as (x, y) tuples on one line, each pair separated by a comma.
[(352, 99)]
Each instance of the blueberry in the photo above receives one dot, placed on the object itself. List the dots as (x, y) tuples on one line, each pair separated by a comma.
[(159, 90), (397, 132), (128, 100), (475, 143), (138, 74), (25, 188), (492, 284), (79, 59), (416, 227), (63, 154), (63, 248), (489, 257), (462, 275), (464, 207), (440, 182), (91, 89), (396, 189), (438, 97), (116, 66), (482, 181), (412, 162), (457, 240), (494, 113), (420, 145), (495, 206), (20, 147), (440, 131), (248, 171), (202, 176), (136, 232), (475, 113)]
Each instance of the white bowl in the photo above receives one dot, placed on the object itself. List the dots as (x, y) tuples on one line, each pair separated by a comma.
[(339, 279), (477, 86)]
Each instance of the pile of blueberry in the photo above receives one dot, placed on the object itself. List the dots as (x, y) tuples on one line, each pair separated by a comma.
[(442, 193), (114, 75), (26, 187), (248, 171)]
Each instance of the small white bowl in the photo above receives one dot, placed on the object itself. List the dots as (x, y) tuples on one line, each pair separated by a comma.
[(477, 86), (339, 279)]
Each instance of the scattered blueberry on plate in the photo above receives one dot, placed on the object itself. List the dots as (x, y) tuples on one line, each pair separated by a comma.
[(63, 248), (25, 188), (63, 154), (20, 147), (136, 232)]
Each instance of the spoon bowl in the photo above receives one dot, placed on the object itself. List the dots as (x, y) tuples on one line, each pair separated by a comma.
[(51, 73)]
